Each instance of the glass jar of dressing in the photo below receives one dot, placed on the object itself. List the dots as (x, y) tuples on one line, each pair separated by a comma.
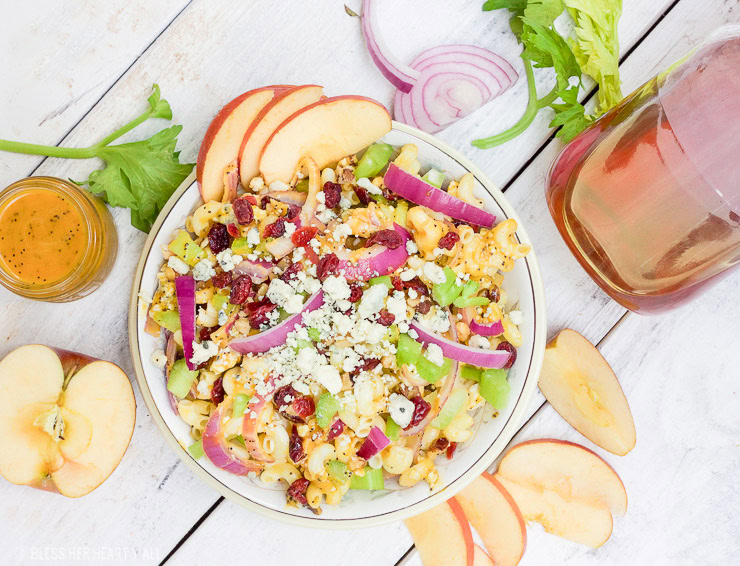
[(57, 241)]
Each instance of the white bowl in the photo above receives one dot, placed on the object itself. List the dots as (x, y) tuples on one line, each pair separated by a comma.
[(358, 508)]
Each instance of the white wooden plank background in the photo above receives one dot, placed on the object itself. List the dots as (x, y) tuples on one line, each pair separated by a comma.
[(212, 51)]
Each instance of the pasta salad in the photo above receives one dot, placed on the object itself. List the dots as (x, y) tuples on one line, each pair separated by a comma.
[(339, 331)]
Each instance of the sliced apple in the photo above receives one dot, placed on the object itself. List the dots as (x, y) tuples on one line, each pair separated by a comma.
[(494, 515), (325, 131), (442, 536), (284, 105), (572, 471), (581, 386), (572, 519), (480, 558), (66, 419), (224, 137)]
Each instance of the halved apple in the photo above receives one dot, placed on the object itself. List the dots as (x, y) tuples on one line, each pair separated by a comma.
[(480, 558), (224, 137), (325, 131), (284, 105), (494, 515), (588, 523), (442, 536), (66, 419), (568, 469), (582, 387)]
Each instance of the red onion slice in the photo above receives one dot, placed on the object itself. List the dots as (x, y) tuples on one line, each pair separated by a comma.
[(374, 261), (258, 270), (171, 353), (289, 197), (374, 443), (494, 329), (400, 76), (461, 353), (185, 292), (420, 192), (252, 417), (217, 451), (276, 336), (280, 247)]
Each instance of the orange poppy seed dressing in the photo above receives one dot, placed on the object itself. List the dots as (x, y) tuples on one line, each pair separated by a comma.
[(43, 236)]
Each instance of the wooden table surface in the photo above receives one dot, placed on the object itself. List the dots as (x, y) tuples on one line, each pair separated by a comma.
[(74, 71)]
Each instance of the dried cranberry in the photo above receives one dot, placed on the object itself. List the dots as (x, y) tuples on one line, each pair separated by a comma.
[(243, 210), (293, 211), (448, 241), (362, 194), (259, 317), (423, 307), (232, 229), (509, 348), (397, 283), (332, 194), (264, 201), (205, 333), (389, 194), (451, 450), (369, 364), (284, 396), (295, 446), (355, 292), (222, 279), (297, 491), (291, 272), (385, 318), (388, 238), (251, 199), (304, 407), (441, 444), (421, 410), (336, 428), (241, 289), (217, 392), (302, 236), (417, 285), (276, 229), (327, 265), (218, 238), (493, 294)]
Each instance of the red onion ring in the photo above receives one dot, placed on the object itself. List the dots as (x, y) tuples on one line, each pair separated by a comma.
[(374, 261), (216, 449), (461, 353), (258, 270), (374, 443)]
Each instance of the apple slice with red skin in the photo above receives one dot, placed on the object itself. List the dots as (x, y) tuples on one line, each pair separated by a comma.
[(325, 131), (494, 515), (283, 105), (581, 386), (580, 521), (66, 419), (252, 418), (573, 471), (480, 558), (224, 136), (442, 535)]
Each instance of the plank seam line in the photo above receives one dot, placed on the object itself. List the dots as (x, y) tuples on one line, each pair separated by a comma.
[(123, 73), (192, 529)]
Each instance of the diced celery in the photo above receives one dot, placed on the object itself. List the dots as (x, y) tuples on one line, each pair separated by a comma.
[(495, 388), (337, 470), (408, 350), (392, 333), (379, 199), (373, 160), (455, 403), (181, 379), (241, 247), (467, 296), (241, 400), (471, 372), (326, 407), (382, 280), (392, 429), (300, 344), (402, 207), (302, 186), (372, 480), (186, 249), (239, 439), (434, 178), (168, 319), (196, 449), (314, 334), (431, 372), (445, 293), (221, 302)]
